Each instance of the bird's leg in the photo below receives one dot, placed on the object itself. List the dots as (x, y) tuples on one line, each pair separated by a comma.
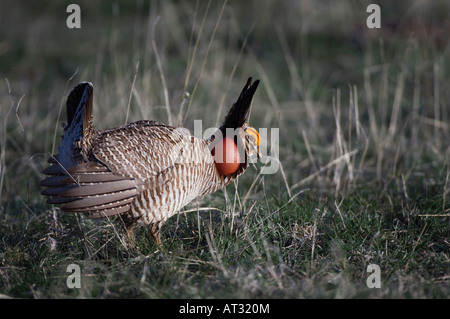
[(130, 236), (129, 226), (155, 231)]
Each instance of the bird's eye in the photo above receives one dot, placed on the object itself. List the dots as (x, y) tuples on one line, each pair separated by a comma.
[(253, 135)]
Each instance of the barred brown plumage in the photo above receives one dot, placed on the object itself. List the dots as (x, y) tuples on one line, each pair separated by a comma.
[(144, 171)]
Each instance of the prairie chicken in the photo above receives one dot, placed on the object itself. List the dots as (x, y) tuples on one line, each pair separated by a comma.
[(145, 171)]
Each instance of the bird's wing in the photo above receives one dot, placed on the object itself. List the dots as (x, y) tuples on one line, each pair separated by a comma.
[(143, 149)]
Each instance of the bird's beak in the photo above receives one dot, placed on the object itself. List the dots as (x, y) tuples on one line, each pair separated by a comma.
[(253, 132)]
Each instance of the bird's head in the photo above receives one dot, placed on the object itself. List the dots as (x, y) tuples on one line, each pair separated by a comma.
[(236, 141)]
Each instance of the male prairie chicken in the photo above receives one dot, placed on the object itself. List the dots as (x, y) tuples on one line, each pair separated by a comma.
[(145, 171)]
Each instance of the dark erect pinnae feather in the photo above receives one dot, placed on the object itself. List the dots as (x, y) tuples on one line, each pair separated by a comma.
[(80, 96), (238, 113)]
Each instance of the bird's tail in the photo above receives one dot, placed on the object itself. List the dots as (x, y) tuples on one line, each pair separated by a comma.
[(79, 126), (76, 133)]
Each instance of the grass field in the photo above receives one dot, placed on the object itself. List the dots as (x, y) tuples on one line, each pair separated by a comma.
[(364, 135)]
